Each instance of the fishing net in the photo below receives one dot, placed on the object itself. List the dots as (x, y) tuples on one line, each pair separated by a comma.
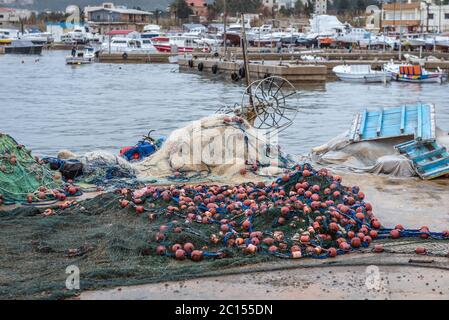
[(133, 236), (215, 148), (101, 168), (21, 175)]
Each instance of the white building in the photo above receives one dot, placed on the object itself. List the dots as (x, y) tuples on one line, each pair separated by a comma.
[(278, 4), (10, 16), (320, 7), (437, 18), (415, 16), (104, 5)]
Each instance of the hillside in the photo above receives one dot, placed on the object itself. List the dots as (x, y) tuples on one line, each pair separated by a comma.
[(60, 5)]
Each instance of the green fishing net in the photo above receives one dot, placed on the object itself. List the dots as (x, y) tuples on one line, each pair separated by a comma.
[(20, 173)]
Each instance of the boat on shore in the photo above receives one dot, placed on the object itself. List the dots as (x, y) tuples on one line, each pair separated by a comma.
[(414, 73), (360, 73)]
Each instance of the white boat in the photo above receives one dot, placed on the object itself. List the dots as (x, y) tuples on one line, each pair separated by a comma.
[(180, 43), (353, 35), (414, 41), (77, 36), (417, 60), (442, 41), (414, 73), (128, 45), (85, 56), (151, 31), (362, 73), (312, 58)]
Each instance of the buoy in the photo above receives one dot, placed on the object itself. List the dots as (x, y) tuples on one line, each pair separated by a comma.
[(196, 255), (305, 239), (332, 252), (13, 160), (180, 254), (251, 249), (375, 224), (395, 234), (72, 190), (188, 247), (378, 248), (160, 250), (124, 203), (420, 250), (140, 209), (424, 232)]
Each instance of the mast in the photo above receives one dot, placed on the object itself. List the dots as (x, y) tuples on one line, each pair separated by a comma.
[(225, 21), (251, 114)]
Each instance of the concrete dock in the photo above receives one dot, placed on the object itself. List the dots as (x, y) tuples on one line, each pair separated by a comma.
[(295, 73), (135, 57)]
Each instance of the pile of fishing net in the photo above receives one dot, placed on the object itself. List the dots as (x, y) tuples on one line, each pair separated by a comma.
[(129, 237), (218, 148), (304, 213), (24, 178), (103, 168)]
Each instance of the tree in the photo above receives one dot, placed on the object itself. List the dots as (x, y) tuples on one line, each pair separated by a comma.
[(299, 7), (181, 9), (309, 8)]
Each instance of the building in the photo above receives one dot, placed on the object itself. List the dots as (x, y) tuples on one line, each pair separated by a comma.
[(11, 16), (286, 4), (199, 7), (402, 16), (435, 18), (275, 5), (109, 17), (415, 16), (320, 7)]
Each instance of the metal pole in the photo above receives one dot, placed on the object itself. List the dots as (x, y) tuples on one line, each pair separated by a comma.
[(251, 114), (225, 21), (400, 30), (244, 48)]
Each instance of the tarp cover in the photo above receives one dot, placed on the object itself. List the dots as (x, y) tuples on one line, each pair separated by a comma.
[(378, 157)]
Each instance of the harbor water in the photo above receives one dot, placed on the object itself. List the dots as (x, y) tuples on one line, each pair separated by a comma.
[(49, 106)]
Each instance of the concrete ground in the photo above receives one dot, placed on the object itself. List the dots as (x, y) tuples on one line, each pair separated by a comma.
[(357, 283)]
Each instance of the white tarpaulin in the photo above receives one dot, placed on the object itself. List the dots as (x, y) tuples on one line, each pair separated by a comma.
[(378, 157)]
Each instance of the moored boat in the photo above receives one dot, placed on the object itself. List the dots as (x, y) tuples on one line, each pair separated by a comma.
[(22, 47), (85, 56), (360, 73), (414, 73)]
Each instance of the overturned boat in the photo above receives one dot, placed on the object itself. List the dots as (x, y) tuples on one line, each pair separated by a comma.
[(360, 73)]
